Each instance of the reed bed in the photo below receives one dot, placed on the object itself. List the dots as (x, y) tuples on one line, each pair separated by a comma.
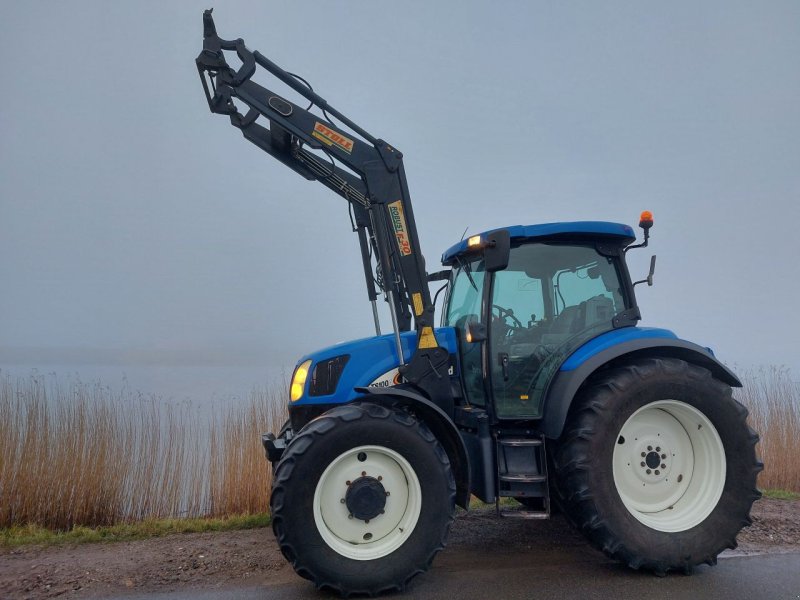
[(84, 454), (773, 399)]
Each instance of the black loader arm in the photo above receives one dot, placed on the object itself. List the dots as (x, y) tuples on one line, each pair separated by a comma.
[(373, 183)]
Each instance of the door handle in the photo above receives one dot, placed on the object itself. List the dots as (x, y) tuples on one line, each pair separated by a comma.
[(502, 359)]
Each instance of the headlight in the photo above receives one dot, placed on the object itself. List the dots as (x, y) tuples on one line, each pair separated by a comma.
[(299, 381)]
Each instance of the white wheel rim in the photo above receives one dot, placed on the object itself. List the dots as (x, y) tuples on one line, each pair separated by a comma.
[(682, 489), (359, 539)]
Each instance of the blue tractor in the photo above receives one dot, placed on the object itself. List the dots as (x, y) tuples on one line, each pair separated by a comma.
[(537, 385)]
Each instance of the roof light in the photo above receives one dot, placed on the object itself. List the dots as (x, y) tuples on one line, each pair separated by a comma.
[(475, 240), (646, 219)]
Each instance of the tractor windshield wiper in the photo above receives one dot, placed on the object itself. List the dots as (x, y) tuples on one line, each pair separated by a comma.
[(467, 268)]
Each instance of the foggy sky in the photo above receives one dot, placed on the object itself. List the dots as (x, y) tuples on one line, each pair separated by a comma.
[(138, 228)]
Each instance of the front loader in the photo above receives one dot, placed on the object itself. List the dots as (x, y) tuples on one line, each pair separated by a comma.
[(538, 385)]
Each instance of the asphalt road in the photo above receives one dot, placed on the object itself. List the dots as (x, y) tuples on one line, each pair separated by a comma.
[(576, 572)]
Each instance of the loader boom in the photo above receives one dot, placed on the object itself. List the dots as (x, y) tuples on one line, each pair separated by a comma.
[(373, 183)]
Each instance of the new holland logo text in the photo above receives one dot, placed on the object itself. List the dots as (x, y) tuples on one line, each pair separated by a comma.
[(399, 226), (329, 137)]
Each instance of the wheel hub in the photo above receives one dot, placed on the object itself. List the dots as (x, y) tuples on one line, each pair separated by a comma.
[(653, 459), (365, 498)]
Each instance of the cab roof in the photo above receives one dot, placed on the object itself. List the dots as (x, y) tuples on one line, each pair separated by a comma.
[(578, 230)]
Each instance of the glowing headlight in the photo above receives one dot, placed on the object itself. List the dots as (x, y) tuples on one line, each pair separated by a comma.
[(299, 381)]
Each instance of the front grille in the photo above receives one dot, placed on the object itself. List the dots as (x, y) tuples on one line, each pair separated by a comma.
[(326, 374)]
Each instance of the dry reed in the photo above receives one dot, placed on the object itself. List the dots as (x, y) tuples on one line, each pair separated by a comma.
[(83, 454), (773, 399)]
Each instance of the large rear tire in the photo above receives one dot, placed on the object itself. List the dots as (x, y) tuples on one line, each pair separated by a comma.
[(657, 465), (363, 499)]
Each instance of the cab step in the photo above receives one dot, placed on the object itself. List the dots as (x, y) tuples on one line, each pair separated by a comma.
[(522, 474)]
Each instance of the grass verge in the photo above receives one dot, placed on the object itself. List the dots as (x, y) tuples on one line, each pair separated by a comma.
[(11, 537), (781, 494)]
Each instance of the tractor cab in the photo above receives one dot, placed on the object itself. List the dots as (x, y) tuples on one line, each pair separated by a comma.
[(562, 284)]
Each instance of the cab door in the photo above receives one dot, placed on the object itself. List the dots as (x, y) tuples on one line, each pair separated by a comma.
[(550, 299)]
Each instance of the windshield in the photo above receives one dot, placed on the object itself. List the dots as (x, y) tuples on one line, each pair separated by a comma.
[(463, 307), (464, 299)]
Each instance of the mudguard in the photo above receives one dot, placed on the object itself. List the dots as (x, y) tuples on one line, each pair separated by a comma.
[(440, 425), (587, 359)]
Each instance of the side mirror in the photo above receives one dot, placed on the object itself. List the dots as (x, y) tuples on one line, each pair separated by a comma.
[(497, 250), (476, 332), (649, 279), (439, 275)]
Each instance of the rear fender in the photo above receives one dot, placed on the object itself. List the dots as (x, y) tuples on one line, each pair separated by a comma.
[(440, 425), (566, 383)]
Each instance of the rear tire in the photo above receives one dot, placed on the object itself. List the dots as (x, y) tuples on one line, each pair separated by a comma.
[(363, 499), (657, 465)]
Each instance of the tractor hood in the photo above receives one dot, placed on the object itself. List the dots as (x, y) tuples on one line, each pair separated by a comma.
[(335, 371)]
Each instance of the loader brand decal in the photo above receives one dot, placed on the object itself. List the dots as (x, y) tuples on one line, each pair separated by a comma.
[(329, 137), (399, 226), (388, 379)]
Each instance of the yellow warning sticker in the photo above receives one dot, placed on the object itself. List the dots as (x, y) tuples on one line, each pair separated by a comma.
[(399, 226), (427, 339), (417, 303), (329, 137)]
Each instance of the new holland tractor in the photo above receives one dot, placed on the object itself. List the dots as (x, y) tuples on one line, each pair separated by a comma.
[(536, 385)]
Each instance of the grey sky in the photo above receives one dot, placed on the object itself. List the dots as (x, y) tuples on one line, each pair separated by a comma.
[(136, 227)]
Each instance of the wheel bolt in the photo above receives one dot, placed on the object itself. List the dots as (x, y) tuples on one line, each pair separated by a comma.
[(387, 493), (663, 456), (366, 520), (347, 483), (380, 478), (658, 448), (649, 448), (658, 472), (342, 500), (663, 465), (350, 516), (644, 454), (648, 471), (642, 463), (363, 473)]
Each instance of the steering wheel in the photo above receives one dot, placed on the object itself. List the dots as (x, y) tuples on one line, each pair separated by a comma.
[(507, 313)]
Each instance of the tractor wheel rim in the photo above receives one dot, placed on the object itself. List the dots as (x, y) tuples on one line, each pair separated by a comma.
[(360, 538), (669, 465)]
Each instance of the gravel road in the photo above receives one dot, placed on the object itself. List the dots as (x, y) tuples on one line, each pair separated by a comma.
[(218, 561)]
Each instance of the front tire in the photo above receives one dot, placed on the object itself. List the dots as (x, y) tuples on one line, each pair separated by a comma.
[(363, 499), (657, 466)]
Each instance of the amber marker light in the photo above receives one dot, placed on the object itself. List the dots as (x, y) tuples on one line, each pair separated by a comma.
[(475, 240), (646, 219), (299, 381)]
